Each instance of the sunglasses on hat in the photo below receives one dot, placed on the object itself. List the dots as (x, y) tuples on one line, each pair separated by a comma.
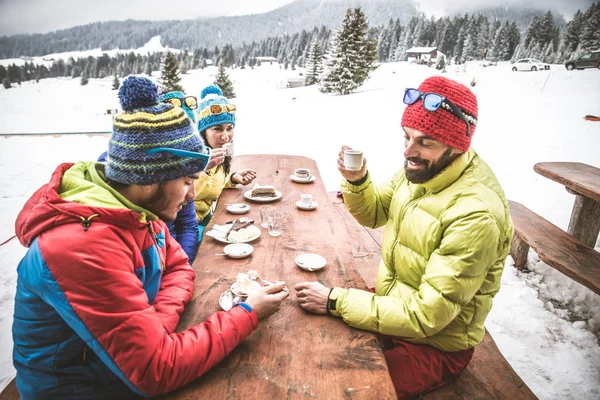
[(433, 101), (216, 109), (190, 101)]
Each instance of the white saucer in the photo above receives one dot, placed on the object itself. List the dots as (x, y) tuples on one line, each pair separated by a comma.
[(219, 232), (248, 196), (226, 301), (238, 208), (238, 250), (310, 262), (312, 206), (302, 180)]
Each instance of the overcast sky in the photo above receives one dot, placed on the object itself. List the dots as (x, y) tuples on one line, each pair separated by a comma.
[(41, 16)]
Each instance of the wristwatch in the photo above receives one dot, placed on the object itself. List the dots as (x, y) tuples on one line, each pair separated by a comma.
[(332, 302)]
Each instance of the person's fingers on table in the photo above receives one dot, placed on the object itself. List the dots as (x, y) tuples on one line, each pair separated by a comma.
[(280, 296), (275, 288), (302, 285)]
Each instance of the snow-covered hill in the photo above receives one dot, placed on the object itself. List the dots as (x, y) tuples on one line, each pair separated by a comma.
[(153, 46)]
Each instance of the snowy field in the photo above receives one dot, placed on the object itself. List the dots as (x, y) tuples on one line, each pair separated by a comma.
[(546, 326)]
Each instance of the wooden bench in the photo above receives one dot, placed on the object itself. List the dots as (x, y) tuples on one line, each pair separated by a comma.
[(554, 246), (488, 376)]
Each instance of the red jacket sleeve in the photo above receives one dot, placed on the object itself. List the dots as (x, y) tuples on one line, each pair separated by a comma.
[(93, 286), (176, 285)]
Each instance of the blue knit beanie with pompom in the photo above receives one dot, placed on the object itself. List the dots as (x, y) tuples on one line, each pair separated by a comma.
[(208, 117), (181, 96), (147, 124)]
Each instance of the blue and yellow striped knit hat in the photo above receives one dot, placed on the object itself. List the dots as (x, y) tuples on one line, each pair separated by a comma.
[(212, 95), (151, 142)]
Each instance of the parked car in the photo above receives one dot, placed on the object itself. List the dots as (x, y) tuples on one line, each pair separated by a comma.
[(590, 60), (529, 64)]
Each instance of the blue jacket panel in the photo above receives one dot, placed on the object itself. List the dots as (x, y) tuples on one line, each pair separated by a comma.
[(51, 358)]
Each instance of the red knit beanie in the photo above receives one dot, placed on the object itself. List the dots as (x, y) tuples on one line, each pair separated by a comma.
[(441, 124)]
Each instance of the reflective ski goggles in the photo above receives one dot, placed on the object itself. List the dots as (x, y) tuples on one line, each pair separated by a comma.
[(217, 109), (433, 101), (190, 101)]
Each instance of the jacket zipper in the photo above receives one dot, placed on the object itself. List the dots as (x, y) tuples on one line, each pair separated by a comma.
[(396, 229)]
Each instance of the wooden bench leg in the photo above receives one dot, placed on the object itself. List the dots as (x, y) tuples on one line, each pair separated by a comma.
[(518, 251), (585, 220)]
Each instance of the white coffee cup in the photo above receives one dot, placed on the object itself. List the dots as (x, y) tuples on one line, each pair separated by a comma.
[(306, 200), (353, 159), (229, 147), (302, 173)]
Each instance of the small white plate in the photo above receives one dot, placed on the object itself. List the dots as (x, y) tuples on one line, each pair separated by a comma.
[(238, 208), (226, 301), (312, 206), (310, 262), (248, 195), (219, 232), (302, 180), (238, 250)]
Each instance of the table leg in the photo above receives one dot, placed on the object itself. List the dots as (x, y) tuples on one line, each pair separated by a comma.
[(585, 220)]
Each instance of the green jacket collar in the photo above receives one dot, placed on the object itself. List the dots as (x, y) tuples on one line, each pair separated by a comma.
[(85, 183), (447, 177)]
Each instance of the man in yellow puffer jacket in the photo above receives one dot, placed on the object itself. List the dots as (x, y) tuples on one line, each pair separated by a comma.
[(447, 235)]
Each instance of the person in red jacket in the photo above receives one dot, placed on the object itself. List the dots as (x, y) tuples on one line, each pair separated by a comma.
[(102, 286)]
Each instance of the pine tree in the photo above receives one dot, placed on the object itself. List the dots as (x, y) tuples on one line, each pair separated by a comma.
[(148, 69), (314, 64), (169, 80), (364, 49), (84, 77), (352, 56), (223, 82), (590, 35), (572, 32), (403, 45), (116, 83), (6, 82), (514, 38), (338, 78), (441, 64)]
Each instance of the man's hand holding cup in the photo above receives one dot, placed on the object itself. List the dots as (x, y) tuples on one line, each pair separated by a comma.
[(351, 164)]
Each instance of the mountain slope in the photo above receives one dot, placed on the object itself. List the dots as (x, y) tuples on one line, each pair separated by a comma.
[(198, 33)]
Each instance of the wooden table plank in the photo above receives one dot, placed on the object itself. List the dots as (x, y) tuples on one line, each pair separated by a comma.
[(584, 182), (581, 178), (293, 354), (365, 242)]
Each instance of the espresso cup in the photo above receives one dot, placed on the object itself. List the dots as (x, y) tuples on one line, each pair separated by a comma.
[(302, 173), (306, 200), (229, 147), (353, 159)]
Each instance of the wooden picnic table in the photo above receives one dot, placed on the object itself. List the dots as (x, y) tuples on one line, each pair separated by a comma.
[(293, 354), (583, 181)]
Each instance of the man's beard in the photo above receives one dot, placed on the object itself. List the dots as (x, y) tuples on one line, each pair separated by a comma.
[(430, 170), (158, 203)]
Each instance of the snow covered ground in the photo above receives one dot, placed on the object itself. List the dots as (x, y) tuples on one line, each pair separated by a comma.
[(546, 326)]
